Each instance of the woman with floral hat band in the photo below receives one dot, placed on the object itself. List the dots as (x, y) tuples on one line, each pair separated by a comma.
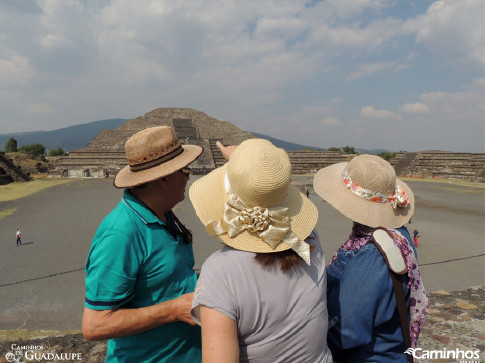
[(365, 324), (262, 297)]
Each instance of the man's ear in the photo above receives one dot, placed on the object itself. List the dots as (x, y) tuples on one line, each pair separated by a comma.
[(163, 182)]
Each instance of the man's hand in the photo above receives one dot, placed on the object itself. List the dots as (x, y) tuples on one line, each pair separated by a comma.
[(226, 150), (182, 306)]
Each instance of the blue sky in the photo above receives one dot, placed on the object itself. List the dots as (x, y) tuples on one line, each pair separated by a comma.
[(393, 74)]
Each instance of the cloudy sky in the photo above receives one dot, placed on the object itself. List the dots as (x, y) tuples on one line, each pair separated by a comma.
[(394, 74)]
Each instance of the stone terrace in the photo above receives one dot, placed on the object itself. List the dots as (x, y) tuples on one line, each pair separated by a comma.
[(310, 161), (440, 164)]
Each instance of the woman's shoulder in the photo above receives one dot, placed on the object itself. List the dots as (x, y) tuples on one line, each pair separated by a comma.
[(366, 257), (227, 256)]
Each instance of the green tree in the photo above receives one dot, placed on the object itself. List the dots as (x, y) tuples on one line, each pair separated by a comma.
[(333, 148), (349, 150), (11, 146), (34, 150), (57, 152), (387, 156)]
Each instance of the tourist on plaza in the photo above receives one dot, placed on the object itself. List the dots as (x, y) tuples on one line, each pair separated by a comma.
[(415, 237), (139, 272), (262, 296), (364, 319), (18, 234)]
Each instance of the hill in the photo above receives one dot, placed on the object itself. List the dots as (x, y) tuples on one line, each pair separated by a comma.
[(290, 146), (286, 145), (68, 138)]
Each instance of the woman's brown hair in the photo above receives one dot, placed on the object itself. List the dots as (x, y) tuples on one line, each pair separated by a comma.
[(285, 259)]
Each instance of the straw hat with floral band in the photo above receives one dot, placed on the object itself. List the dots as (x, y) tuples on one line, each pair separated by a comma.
[(152, 154), (250, 204), (367, 191)]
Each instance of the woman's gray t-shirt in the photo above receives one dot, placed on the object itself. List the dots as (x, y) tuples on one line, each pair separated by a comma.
[(281, 316)]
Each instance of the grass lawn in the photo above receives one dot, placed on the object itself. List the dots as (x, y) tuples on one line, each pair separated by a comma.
[(18, 190)]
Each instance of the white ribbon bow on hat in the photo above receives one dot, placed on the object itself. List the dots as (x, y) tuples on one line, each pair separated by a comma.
[(272, 225)]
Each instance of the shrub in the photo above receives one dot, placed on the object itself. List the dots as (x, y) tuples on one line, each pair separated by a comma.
[(57, 152), (387, 156), (11, 146), (34, 150)]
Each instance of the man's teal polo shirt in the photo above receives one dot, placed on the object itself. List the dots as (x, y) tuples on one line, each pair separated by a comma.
[(135, 262)]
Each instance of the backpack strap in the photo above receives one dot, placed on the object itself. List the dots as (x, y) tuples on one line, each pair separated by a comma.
[(391, 253), (397, 267)]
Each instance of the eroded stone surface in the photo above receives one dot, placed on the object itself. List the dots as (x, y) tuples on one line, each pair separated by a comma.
[(451, 325)]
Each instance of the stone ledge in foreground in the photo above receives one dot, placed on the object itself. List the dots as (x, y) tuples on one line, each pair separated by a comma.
[(456, 320)]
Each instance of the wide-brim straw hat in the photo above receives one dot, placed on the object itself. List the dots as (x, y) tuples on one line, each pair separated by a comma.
[(374, 174), (260, 175), (152, 154)]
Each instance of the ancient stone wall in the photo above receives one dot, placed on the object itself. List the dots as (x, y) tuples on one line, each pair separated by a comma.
[(9, 172), (441, 164), (310, 161)]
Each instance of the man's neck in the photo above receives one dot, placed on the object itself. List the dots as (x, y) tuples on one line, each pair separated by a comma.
[(154, 202)]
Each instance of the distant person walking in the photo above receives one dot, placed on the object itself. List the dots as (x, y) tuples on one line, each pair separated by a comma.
[(308, 193), (415, 238), (19, 234)]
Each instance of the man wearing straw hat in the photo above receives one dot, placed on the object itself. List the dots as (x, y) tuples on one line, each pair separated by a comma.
[(139, 272)]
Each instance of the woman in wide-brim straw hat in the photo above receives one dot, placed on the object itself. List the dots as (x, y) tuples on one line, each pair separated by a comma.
[(262, 296), (361, 304), (139, 272)]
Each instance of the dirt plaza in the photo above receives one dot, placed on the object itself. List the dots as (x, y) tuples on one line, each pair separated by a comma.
[(42, 281)]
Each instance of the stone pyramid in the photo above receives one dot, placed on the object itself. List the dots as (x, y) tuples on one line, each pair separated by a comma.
[(104, 156)]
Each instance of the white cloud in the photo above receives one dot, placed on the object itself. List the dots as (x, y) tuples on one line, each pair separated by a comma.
[(51, 41), (330, 121), (414, 108), (271, 66), (451, 121), (365, 70), (15, 69), (454, 31), (459, 108), (355, 38), (369, 112), (287, 28), (42, 107), (351, 8)]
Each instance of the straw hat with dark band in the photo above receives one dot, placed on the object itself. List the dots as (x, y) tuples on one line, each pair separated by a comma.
[(365, 190), (152, 154), (250, 204)]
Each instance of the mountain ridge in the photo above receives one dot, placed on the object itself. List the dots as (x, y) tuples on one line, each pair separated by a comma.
[(76, 136)]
